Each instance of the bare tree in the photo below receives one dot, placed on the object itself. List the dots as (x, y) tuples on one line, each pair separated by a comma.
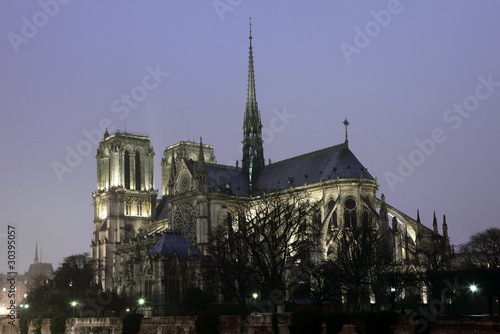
[(483, 249), (257, 247), (276, 231), (230, 264), (482, 256), (434, 266), (394, 280), (358, 258)]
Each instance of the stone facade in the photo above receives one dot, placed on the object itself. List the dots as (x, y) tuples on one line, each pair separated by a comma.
[(256, 325)]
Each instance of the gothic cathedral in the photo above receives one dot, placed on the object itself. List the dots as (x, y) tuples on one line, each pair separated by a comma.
[(154, 246)]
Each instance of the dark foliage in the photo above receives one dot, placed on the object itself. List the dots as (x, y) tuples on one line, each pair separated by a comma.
[(335, 321), (306, 321), (58, 324), (375, 322), (24, 324), (207, 322), (37, 326), (195, 301), (132, 323)]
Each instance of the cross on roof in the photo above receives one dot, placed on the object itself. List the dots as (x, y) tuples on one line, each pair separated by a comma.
[(346, 123)]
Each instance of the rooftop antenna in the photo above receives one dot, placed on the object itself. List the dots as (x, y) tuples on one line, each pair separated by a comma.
[(125, 120), (188, 131)]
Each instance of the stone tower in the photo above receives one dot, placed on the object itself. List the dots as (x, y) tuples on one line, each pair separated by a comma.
[(125, 200), (253, 150), (172, 157)]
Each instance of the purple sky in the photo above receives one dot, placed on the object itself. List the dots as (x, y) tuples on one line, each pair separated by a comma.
[(396, 80)]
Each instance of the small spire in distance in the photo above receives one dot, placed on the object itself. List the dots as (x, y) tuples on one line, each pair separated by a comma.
[(36, 253)]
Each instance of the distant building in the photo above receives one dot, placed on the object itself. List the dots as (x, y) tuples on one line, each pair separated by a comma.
[(21, 283), (154, 246)]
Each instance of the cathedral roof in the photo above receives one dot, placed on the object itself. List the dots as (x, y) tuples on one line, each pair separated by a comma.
[(40, 268), (326, 164), (162, 209), (172, 242), (227, 179)]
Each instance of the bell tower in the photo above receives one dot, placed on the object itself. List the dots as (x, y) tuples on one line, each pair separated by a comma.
[(125, 199)]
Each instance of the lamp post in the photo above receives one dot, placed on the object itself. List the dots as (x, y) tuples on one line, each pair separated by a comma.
[(73, 304), (141, 302), (473, 288), (393, 297)]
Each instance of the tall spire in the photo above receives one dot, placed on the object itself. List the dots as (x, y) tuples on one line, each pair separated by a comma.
[(36, 253), (253, 151)]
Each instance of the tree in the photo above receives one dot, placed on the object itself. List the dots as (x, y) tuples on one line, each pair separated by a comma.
[(482, 255), (39, 292), (230, 263), (76, 276), (276, 231), (434, 266), (483, 249), (358, 258), (394, 280), (259, 244)]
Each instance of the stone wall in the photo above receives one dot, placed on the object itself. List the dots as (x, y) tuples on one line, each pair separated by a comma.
[(254, 325)]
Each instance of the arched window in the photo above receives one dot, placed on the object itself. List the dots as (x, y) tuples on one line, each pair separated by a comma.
[(127, 169), (333, 220), (333, 217), (137, 171), (366, 217), (317, 217), (350, 213)]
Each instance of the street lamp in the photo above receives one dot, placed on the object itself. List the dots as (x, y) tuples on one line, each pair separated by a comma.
[(73, 304), (141, 301), (255, 295), (473, 288)]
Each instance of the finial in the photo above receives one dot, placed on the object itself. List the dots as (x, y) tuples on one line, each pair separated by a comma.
[(250, 28), (346, 123)]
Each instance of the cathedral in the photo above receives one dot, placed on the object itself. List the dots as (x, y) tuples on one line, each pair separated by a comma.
[(153, 244)]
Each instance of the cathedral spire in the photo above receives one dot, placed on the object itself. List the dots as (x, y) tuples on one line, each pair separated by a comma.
[(36, 253), (253, 151)]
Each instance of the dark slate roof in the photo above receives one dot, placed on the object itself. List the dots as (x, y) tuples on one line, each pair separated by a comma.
[(172, 242), (162, 209), (219, 176), (329, 163), (40, 268)]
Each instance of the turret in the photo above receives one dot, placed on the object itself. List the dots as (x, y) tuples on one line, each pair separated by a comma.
[(201, 171)]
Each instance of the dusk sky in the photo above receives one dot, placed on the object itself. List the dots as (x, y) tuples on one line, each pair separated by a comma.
[(418, 81)]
